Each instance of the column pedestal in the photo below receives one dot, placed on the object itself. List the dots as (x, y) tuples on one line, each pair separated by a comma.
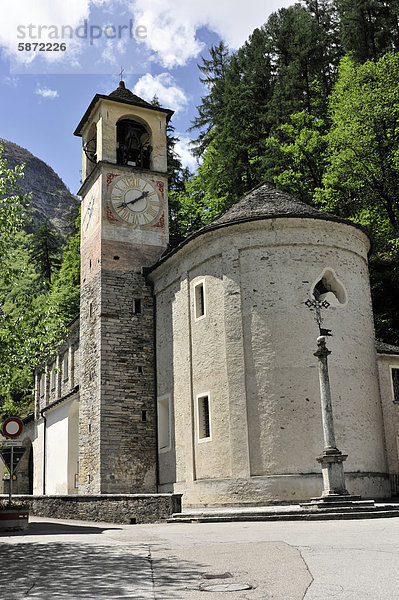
[(333, 473)]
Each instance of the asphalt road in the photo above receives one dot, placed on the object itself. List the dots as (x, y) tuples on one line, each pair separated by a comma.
[(344, 560)]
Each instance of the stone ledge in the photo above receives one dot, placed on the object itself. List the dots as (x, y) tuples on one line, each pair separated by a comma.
[(111, 508)]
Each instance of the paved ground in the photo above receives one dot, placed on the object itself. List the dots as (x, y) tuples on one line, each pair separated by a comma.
[(343, 560)]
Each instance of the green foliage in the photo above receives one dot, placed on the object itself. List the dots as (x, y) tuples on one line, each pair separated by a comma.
[(12, 204), (35, 317), (284, 108), (295, 156), (363, 157), (369, 28), (198, 203)]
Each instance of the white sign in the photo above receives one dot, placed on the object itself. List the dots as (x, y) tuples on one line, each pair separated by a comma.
[(14, 443)]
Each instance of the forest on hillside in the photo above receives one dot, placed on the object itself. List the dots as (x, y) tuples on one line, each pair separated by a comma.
[(310, 102)]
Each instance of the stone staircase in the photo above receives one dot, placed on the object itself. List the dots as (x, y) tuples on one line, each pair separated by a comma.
[(362, 509)]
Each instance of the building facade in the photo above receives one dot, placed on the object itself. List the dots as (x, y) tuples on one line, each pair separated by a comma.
[(191, 368)]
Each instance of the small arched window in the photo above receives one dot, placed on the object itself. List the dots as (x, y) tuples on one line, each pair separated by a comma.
[(329, 288), (133, 144)]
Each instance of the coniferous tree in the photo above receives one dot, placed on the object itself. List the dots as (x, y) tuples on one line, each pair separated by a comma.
[(212, 108), (369, 28), (45, 251), (301, 63), (177, 174)]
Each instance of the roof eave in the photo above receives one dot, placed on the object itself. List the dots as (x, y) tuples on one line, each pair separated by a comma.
[(78, 131), (214, 227)]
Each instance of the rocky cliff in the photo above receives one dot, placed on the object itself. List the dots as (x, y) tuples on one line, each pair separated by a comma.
[(50, 197)]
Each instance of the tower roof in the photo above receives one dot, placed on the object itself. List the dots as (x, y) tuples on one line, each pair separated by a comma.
[(124, 96)]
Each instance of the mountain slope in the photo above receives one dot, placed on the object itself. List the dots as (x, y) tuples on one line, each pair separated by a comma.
[(50, 197)]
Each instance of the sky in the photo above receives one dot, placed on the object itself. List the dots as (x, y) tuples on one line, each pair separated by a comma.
[(55, 55)]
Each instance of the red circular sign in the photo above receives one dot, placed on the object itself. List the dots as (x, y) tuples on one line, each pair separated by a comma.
[(12, 427)]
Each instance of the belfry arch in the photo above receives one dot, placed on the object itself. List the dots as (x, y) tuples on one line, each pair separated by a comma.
[(133, 144)]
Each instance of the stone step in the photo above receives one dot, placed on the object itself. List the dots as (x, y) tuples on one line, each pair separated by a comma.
[(305, 515)]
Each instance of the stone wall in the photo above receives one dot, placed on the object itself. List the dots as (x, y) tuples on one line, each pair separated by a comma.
[(119, 508)]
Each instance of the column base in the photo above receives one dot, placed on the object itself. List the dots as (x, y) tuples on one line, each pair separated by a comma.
[(333, 473)]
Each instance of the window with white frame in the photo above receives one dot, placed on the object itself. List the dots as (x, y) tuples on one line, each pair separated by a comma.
[(164, 423), (204, 417), (395, 383), (199, 300)]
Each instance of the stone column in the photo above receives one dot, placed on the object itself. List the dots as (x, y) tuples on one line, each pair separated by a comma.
[(332, 459)]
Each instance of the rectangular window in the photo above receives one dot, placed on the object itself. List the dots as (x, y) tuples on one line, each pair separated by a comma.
[(53, 378), (136, 306), (204, 417), (42, 385), (65, 366), (164, 423), (395, 384), (199, 300)]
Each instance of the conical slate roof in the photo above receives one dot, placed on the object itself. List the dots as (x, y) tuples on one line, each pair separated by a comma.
[(265, 201), (122, 93)]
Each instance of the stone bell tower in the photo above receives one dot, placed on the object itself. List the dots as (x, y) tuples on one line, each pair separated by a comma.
[(124, 228)]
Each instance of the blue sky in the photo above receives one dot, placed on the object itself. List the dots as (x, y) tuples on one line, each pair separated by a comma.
[(44, 93)]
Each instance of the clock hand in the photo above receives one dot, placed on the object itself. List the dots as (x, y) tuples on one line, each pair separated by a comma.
[(120, 205), (88, 212), (143, 195)]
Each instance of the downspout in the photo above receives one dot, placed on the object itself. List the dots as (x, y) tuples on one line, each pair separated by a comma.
[(44, 450)]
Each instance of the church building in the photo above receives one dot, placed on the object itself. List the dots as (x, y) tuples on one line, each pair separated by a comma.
[(191, 368)]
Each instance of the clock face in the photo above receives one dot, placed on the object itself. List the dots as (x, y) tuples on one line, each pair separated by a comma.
[(90, 212), (136, 201)]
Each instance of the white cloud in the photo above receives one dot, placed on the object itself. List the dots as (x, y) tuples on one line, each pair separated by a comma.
[(163, 86), (16, 17), (172, 25), (45, 92), (182, 149), (10, 80)]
